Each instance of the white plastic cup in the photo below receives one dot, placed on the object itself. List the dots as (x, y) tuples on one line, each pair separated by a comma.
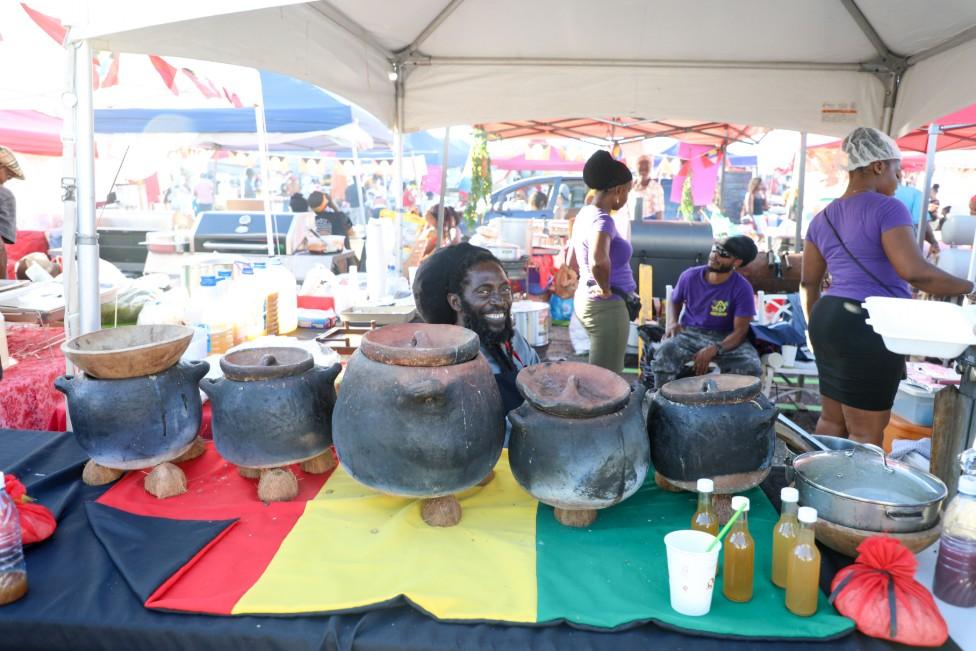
[(691, 571), (789, 355)]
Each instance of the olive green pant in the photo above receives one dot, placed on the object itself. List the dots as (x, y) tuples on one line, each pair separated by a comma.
[(608, 327)]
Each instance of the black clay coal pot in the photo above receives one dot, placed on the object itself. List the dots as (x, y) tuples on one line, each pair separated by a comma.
[(419, 413), (578, 441), (715, 427), (273, 407), (136, 422)]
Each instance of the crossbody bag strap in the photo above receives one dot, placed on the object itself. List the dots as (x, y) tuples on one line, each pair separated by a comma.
[(853, 257)]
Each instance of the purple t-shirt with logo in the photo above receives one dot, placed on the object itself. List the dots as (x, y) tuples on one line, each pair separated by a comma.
[(589, 222), (860, 220), (713, 307)]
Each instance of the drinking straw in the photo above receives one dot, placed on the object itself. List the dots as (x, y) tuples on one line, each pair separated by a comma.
[(725, 529)]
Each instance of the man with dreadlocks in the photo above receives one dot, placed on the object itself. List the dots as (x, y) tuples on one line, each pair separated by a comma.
[(465, 285)]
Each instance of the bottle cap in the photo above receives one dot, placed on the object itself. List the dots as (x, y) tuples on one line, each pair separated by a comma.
[(967, 484), (207, 281), (705, 486), (738, 501), (807, 514), (789, 494)]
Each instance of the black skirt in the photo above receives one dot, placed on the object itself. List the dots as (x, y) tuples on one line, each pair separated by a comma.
[(854, 366)]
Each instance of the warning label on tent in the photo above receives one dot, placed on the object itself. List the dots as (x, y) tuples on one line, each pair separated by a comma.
[(838, 112)]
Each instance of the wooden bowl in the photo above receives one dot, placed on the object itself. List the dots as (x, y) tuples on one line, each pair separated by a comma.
[(129, 351), (845, 539)]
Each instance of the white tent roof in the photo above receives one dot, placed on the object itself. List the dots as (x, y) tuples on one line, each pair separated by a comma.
[(814, 65)]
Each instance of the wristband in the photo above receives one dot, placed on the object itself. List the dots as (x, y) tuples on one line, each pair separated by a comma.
[(719, 348)]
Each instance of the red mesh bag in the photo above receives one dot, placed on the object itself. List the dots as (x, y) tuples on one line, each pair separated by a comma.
[(36, 522), (879, 592)]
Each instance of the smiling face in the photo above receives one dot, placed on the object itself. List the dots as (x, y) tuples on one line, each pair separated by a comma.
[(485, 303)]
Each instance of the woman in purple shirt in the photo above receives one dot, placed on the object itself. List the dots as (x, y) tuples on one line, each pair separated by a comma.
[(865, 241), (603, 259)]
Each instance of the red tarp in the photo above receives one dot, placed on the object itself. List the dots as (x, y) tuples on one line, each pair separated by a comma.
[(962, 138), (30, 132)]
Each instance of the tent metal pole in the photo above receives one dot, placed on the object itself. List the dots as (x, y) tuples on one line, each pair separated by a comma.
[(357, 175), (632, 63), (398, 174), (923, 220), (89, 305), (69, 276), (440, 208), (262, 126), (800, 188)]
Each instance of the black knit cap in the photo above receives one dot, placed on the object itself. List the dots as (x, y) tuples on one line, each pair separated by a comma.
[(741, 247), (436, 274), (602, 171)]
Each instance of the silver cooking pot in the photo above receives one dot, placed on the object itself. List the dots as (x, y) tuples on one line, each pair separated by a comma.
[(862, 489)]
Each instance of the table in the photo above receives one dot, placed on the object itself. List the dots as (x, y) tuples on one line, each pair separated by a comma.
[(28, 399), (78, 600)]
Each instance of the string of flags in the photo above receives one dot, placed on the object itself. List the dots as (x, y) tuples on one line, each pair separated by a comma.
[(105, 65)]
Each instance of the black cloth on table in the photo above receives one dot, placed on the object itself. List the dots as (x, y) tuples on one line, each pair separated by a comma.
[(78, 600)]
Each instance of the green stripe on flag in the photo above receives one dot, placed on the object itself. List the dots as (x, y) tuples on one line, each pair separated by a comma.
[(615, 572)]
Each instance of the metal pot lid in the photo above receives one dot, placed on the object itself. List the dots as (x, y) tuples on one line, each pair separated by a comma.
[(573, 389), (420, 344), (864, 474), (712, 389), (265, 363)]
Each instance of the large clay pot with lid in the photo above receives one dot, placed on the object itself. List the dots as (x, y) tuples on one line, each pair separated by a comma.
[(578, 442), (419, 414), (273, 408), (719, 427)]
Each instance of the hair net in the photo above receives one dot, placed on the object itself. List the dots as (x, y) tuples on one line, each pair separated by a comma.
[(865, 145)]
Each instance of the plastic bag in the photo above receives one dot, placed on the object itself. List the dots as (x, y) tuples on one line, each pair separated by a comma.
[(36, 522), (879, 592)]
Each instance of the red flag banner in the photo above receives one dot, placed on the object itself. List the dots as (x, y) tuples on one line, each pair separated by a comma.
[(233, 98), (51, 26), (111, 77), (206, 88), (166, 71)]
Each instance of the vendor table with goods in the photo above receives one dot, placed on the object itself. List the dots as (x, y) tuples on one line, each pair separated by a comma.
[(90, 582)]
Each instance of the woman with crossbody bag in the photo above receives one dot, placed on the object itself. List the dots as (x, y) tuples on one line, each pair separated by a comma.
[(865, 241)]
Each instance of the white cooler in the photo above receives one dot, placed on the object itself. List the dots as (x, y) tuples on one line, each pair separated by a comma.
[(914, 404)]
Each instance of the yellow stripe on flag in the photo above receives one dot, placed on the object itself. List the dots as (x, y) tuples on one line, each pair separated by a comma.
[(354, 547)]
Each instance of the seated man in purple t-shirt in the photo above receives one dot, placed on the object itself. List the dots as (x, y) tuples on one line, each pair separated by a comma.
[(718, 307)]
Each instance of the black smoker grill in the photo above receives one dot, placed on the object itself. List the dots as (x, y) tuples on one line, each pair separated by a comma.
[(219, 231), (670, 247)]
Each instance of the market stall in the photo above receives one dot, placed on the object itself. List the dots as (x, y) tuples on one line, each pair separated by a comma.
[(80, 598)]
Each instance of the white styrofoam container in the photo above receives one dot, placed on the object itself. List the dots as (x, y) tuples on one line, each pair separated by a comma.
[(914, 404), (929, 328)]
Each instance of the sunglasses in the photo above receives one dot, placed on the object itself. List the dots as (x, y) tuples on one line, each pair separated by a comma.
[(721, 251)]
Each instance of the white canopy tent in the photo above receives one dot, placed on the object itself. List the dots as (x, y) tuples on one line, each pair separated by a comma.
[(810, 66), (822, 66)]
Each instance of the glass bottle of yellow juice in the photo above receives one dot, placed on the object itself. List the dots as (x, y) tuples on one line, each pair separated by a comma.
[(784, 534), (803, 571), (705, 518), (739, 551)]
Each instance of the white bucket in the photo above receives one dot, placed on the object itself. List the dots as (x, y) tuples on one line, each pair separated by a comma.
[(515, 231), (532, 321)]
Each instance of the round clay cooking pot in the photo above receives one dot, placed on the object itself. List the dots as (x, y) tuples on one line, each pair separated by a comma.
[(578, 441), (272, 408), (419, 414), (719, 427), (136, 422)]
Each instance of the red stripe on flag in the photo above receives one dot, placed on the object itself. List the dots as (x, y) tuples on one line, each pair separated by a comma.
[(51, 25), (216, 578), (166, 71)]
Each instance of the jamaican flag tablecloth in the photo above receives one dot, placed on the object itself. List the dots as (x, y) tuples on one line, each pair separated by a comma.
[(341, 547)]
